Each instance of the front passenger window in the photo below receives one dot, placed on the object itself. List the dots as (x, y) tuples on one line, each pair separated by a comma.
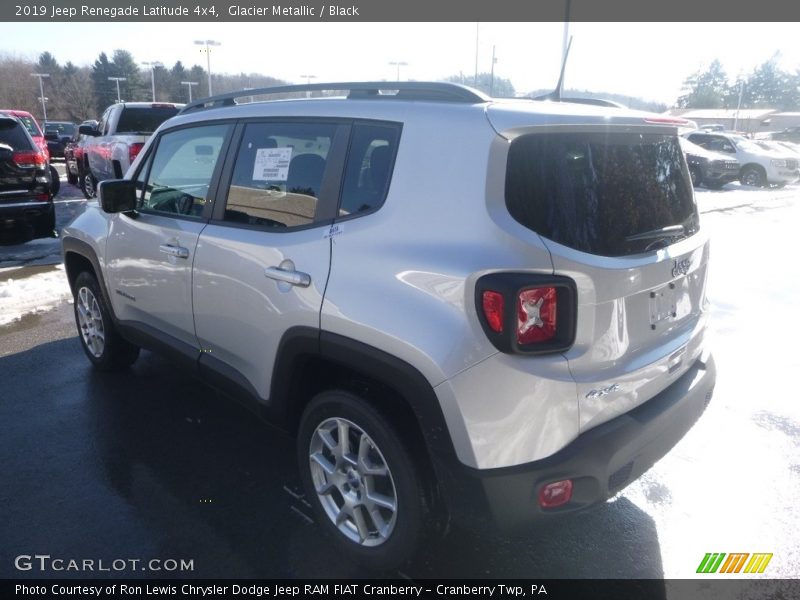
[(278, 176), (182, 170)]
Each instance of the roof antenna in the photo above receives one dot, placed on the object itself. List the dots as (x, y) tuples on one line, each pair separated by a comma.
[(555, 95)]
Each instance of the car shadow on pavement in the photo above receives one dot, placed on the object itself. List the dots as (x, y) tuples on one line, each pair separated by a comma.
[(152, 463)]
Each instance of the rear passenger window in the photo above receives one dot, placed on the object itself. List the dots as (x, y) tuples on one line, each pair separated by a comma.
[(182, 169), (369, 167), (278, 174)]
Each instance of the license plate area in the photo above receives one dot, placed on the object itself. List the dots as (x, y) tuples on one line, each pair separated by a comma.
[(663, 304)]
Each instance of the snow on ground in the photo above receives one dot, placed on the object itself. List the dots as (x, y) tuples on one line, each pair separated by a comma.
[(31, 290)]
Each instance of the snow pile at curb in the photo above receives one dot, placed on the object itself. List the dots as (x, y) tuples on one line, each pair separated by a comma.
[(21, 295)]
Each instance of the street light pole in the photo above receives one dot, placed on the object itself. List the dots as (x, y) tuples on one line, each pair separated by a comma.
[(208, 44), (117, 80), (491, 84), (477, 36), (41, 92), (153, 65), (398, 64), (308, 79), (189, 84)]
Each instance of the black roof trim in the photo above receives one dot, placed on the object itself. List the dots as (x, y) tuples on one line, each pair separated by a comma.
[(373, 90)]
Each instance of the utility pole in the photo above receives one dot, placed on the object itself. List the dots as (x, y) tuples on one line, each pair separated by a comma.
[(738, 106), (41, 92)]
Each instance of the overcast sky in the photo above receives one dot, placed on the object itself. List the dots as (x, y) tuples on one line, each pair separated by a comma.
[(647, 60)]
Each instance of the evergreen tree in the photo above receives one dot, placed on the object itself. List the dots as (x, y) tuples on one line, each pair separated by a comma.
[(706, 89)]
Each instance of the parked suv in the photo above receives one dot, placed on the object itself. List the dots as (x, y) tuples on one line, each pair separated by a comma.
[(460, 306), (707, 168), (760, 166), (26, 202), (28, 120), (113, 144)]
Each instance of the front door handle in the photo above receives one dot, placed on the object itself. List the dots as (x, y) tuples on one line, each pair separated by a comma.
[(178, 251), (289, 276)]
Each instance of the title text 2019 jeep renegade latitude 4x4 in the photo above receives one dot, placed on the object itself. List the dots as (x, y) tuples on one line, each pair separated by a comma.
[(456, 303)]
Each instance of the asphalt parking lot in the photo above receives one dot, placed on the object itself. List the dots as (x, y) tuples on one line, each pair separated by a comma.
[(153, 464)]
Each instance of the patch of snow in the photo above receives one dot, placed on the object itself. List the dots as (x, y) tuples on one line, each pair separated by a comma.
[(21, 295)]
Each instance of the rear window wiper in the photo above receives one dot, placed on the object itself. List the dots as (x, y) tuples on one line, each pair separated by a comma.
[(669, 231)]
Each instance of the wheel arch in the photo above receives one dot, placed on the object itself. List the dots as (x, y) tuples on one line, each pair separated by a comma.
[(753, 165), (311, 361), (80, 256)]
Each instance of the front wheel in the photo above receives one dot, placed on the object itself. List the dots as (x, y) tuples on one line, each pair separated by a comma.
[(101, 342), (754, 177), (363, 482)]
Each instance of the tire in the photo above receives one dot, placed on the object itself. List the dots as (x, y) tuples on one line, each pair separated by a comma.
[(374, 534), (48, 228), (72, 179), (105, 348), (753, 177), (55, 181), (88, 185), (696, 175)]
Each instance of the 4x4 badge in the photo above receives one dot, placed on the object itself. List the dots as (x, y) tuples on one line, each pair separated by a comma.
[(681, 267)]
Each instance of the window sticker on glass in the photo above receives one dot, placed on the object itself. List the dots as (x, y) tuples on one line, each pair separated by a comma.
[(272, 164)]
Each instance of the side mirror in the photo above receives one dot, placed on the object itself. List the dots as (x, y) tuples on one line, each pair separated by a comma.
[(88, 130), (117, 195)]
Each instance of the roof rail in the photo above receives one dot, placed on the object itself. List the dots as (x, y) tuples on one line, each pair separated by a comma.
[(401, 90)]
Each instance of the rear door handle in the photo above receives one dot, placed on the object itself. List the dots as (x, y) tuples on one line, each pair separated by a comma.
[(178, 251), (288, 276)]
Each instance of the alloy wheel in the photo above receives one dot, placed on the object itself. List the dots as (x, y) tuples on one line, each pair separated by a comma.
[(353, 482), (90, 320)]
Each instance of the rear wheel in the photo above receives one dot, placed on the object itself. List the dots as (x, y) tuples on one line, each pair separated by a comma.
[(363, 482), (55, 181), (72, 179), (101, 342), (696, 175), (88, 185)]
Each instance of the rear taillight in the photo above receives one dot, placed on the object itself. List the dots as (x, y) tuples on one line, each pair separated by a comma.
[(29, 160), (536, 315), (43, 197), (493, 310), (133, 150), (526, 313)]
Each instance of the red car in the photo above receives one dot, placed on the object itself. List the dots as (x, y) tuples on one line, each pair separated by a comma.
[(38, 137)]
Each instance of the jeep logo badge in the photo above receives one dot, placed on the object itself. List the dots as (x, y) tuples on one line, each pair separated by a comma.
[(681, 267)]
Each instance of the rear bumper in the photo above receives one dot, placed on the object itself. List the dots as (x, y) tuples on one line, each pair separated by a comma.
[(27, 220), (602, 460)]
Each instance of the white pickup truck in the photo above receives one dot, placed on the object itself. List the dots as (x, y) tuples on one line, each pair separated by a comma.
[(121, 133)]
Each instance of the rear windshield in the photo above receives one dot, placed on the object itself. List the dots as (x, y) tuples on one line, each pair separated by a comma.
[(144, 120), (594, 191), (60, 128), (13, 134), (30, 125)]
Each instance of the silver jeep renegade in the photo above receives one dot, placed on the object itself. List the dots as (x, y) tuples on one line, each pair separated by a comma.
[(458, 305)]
